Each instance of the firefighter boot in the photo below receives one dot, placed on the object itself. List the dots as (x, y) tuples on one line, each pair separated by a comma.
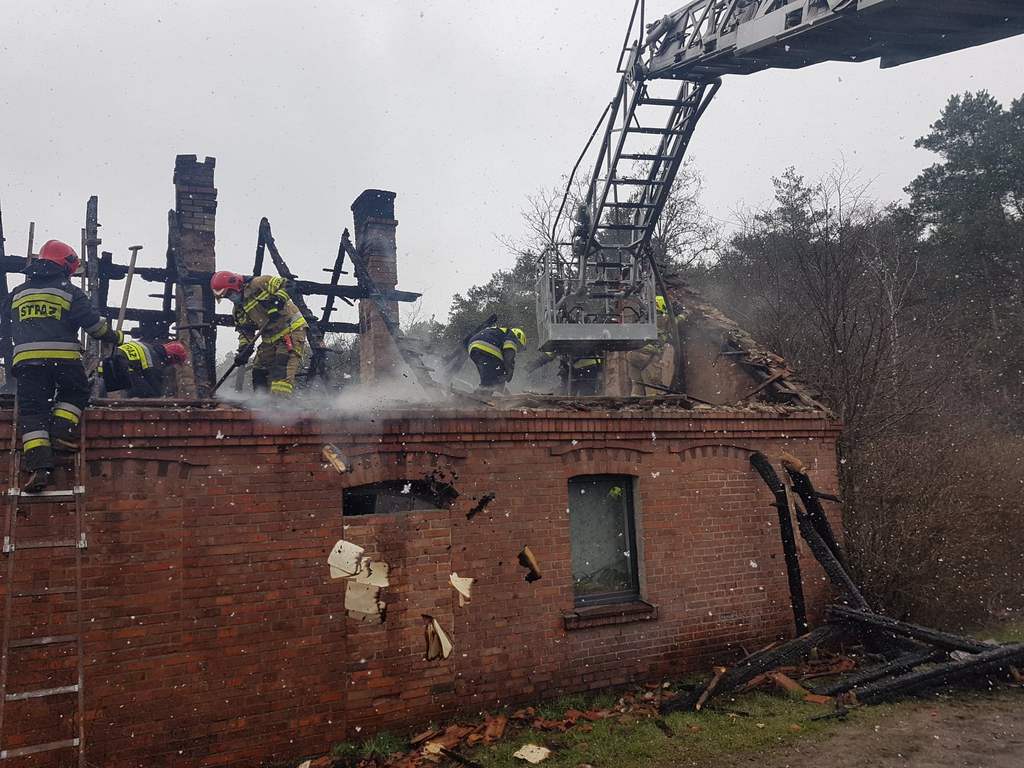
[(38, 481)]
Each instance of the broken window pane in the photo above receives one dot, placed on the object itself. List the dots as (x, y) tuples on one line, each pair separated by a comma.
[(604, 567), (394, 496)]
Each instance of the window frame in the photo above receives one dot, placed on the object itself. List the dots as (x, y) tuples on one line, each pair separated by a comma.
[(611, 598)]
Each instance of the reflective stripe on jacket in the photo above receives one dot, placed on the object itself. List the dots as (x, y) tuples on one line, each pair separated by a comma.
[(494, 341), (46, 313), (268, 309)]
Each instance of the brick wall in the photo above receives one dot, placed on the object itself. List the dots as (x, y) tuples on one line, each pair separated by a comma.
[(216, 637)]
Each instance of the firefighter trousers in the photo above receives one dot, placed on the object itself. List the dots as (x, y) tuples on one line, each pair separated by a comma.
[(51, 399), (490, 368), (277, 364)]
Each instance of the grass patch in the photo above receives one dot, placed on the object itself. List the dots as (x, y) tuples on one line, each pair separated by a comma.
[(1008, 632), (379, 746), (773, 720)]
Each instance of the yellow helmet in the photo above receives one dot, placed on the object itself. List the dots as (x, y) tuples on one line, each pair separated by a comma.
[(520, 336), (661, 304)]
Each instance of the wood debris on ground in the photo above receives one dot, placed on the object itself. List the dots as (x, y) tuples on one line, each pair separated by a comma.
[(910, 659)]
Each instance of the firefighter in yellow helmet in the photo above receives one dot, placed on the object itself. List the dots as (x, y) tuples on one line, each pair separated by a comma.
[(262, 305), (654, 363), (493, 352)]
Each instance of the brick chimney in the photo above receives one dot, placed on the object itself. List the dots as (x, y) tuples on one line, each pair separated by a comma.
[(195, 211), (374, 215)]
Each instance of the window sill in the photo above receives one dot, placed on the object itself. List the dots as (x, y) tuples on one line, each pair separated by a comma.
[(606, 615)]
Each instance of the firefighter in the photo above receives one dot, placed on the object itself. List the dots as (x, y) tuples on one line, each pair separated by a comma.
[(263, 306), (47, 312), (654, 362), (138, 366), (582, 374), (493, 352)]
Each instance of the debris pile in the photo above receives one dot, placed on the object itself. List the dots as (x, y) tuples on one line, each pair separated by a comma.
[(909, 659)]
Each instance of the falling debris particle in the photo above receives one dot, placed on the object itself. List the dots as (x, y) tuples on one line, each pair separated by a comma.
[(219, 435), (462, 585), (655, 475), (533, 753), (438, 644), (374, 573), (362, 601), (333, 456), (753, 563), (481, 505), (527, 560), (406, 489), (346, 559)]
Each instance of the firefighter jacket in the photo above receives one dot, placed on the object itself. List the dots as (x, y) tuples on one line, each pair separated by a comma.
[(47, 312), (137, 367), (266, 308), (498, 342)]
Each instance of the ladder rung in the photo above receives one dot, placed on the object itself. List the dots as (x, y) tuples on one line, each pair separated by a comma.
[(640, 182), (629, 205), (644, 156), (31, 642), (6, 754), (655, 131), (621, 226), (46, 544), (45, 591), (662, 102), (41, 693), (68, 493)]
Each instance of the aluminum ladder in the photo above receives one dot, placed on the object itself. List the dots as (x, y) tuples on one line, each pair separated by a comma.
[(18, 603)]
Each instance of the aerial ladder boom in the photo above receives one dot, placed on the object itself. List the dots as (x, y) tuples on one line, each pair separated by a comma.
[(596, 291)]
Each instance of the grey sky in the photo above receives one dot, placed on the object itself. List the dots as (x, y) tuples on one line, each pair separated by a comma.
[(462, 108)]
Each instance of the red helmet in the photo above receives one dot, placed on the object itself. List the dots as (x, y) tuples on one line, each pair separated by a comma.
[(61, 254), (176, 352), (224, 283)]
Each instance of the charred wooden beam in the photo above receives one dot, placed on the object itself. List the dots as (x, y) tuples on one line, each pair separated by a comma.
[(313, 334), (336, 273), (894, 668), (945, 640), (158, 316), (824, 555), (764, 468), (6, 340), (812, 504), (992, 661), (92, 271), (758, 664), (114, 271)]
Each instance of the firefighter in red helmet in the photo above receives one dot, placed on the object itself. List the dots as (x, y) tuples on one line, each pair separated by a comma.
[(47, 311), (138, 367), (263, 306)]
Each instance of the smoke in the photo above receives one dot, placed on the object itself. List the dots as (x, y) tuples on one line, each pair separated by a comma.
[(353, 400)]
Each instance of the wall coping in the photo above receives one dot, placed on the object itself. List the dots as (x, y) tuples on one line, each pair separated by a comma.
[(213, 425)]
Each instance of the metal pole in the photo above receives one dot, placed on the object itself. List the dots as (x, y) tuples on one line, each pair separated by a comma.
[(128, 284), (31, 237)]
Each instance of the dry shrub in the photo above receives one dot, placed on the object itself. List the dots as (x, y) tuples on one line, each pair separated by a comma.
[(933, 522)]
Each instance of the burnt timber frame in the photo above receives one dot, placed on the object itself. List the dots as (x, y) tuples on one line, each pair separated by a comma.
[(190, 291)]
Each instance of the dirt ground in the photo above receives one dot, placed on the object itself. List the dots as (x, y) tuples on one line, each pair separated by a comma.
[(981, 732)]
